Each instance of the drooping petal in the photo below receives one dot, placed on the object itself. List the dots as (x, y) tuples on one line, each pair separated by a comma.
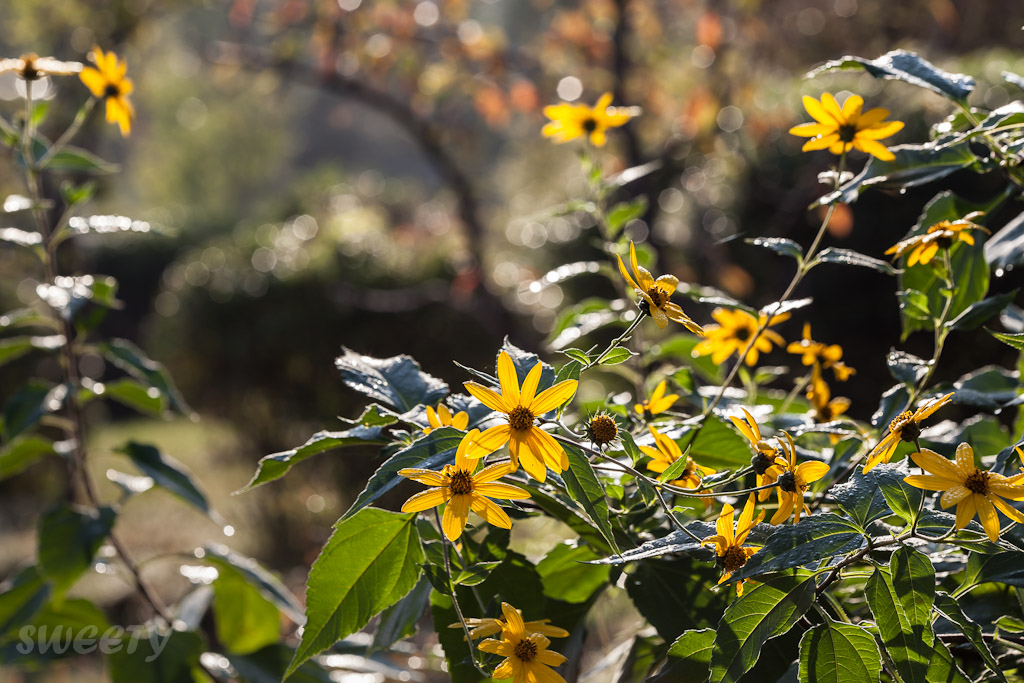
[(965, 512), (1007, 509), (488, 397), (550, 451), (455, 515), (531, 462), (874, 148), (988, 517), (490, 511), (625, 274), (424, 500), (499, 490), (428, 477)]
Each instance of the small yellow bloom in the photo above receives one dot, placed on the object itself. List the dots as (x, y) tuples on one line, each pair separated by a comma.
[(656, 294), (527, 443), (657, 403), (107, 82), (463, 489), (794, 483), (972, 490), (570, 121), (481, 628), (443, 418), (527, 657), (769, 462), (728, 545), (32, 67), (942, 235), (824, 406), (733, 332), (904, 427), (840, 130), (666, 453), (828, 355)]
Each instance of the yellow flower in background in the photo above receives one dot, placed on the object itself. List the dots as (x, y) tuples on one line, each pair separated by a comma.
[(769, 462), (658, 402), (827, 355), (728, 545), (527, 443), (732, 333), (481, 628), (570, 121), (794, 482), (972, 490), (107, 82), (463, 489), (904, 427), (527, 657), (824, 406), (444, 418), (656, 294), (841, 129), (942, 235), (666, 453), (32, 67)]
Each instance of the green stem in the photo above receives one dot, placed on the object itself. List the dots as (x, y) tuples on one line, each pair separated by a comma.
[(614, 343), (69, 134), (455, 599)]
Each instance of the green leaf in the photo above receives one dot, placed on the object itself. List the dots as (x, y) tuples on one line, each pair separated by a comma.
[(269, 664), (168, 474), (908, 67), (138, 661), (245, 620), (905, 367), (28, 405), (834, 652), (768, 610), (902, 498), (989, 387), (900, 598), (950, 609), (397, 382), (430, 452), (673, 471), (128, 392), (977, 313), (1005, 567), (567, 577), (16, 347), (659, 586), (130, 358), (584, 487), (853, 258), (18, 454), (578, 355), (617, 355), (1004, 250), (228, 561), (717, 445), (73, 193), (815, 538), (1015, 340), (399, 621), (370, 562), (475, 574), (276, 465), (913, 165), (70, 294), (453, 641), (861, 498), (78, 160), (942, 668), (68, 541), (694, 649), (779, 245), (624, 212), (22, 598)]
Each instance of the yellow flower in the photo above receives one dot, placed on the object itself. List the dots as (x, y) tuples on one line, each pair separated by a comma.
[(527, 443), (769, 462), (666, 453), (733, 332), (463, 489), (824, 406), (972, 490), (527, 657), (904, 427), (107, 82), (728, 545), (794, 482), (570, 121), (828, 355), (655, 294), (942, 235), (840, 130), (658, 402), (443, 418), (480, 628), (32, 67)]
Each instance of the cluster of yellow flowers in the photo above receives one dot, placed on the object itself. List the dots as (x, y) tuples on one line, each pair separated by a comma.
[(106, 81)]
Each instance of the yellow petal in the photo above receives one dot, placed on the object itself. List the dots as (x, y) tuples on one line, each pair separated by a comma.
[(489, 441), (93, 80), (988, 517), (424, 500), (499, 490), (490, 511), (488, 397), (508, 379), (552, 397), (550, 451), (818, 112), (529, 389), (455, 515), (461, 420), (515, 626), (953, 494), (811, 471), (428, 477), (492, 472), (874, 148)]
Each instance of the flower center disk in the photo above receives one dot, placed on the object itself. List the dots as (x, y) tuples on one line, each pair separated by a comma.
[(525, 650), (603, 429), (520, 419), (589, 125), (977, 482), (904, 425), (787, 482), (847, 133), (460, 483), (734, 558), (111, 90)]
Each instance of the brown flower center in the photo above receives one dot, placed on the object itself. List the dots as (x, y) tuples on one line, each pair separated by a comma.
[(658, 295), (112, 90), (603, 429), (520, 419), (742, 334), (589, 125), (847, 133), (460, 483), (904, 426), (977, 481), (734, 558), (525, 650), (788, 483), (946, 241), (763, 460)]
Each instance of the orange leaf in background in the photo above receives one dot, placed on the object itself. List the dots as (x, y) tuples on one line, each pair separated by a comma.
[(491, 105), (841, 224), (709, 30), (523, 96)]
